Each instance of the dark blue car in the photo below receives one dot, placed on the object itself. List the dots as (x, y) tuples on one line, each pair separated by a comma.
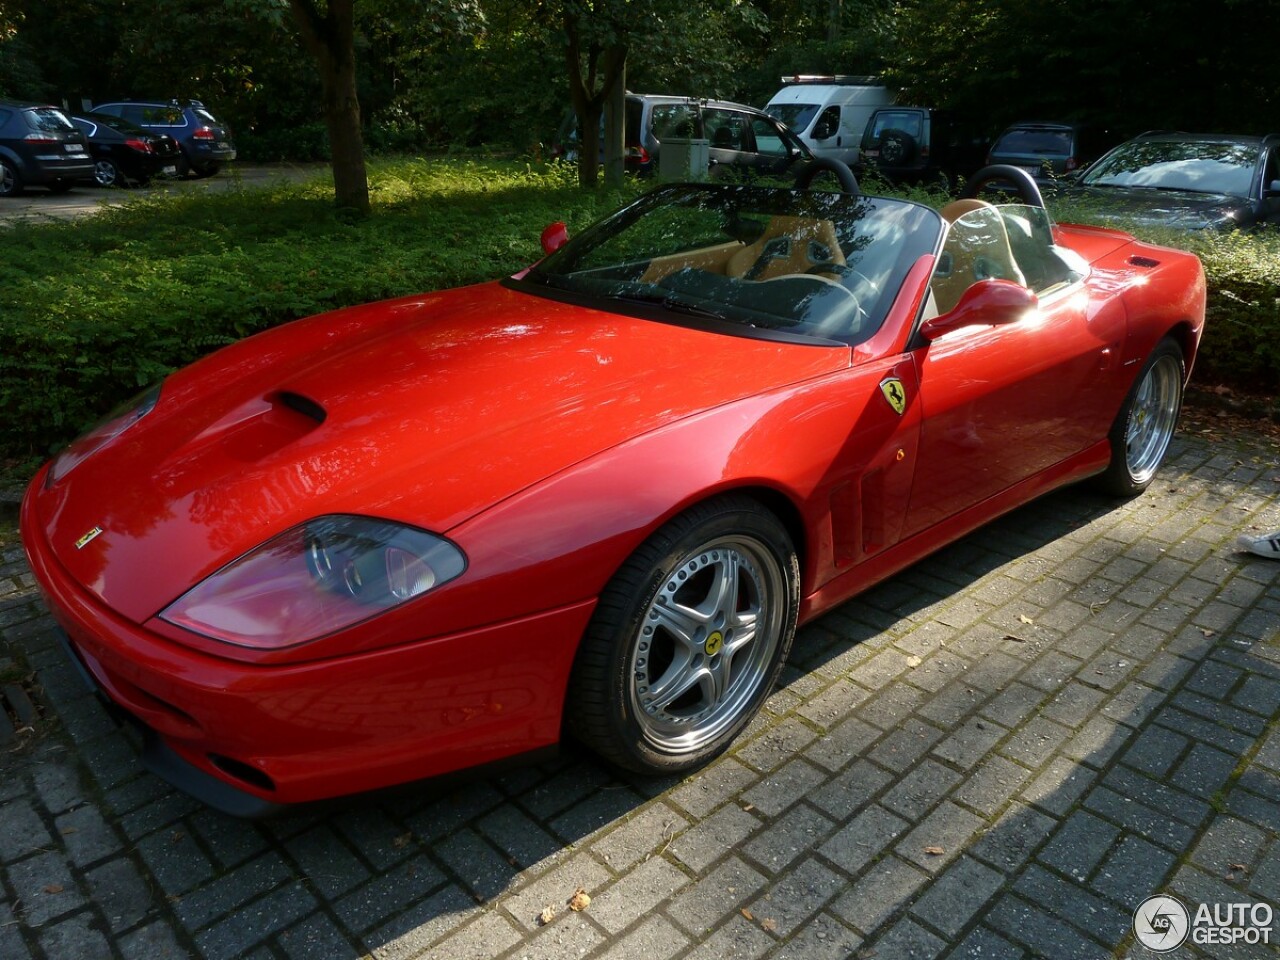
[(206, 142)]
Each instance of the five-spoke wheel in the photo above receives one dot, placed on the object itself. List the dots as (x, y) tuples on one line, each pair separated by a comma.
[(688, 639), (1141, 433)]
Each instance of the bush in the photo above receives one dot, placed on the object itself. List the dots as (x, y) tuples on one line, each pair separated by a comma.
[(94, 310)]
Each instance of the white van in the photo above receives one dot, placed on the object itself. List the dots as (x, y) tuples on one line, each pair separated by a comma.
[(829, 113)]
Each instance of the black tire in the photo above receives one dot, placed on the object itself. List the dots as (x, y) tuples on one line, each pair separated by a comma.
[(1146, 422), (107, 174), (897, 147), (654, 628), (10, 180)]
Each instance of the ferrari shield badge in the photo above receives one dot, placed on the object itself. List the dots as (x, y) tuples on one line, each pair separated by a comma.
[(891, 388)]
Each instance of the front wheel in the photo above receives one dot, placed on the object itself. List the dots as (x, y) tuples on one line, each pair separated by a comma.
[(1144, 427), (687, 640)]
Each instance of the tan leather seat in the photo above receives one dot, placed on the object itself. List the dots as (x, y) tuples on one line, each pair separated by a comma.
[(787, 245)]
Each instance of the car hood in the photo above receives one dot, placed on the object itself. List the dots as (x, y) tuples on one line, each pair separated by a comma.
[(426, 410), (1183, 209)]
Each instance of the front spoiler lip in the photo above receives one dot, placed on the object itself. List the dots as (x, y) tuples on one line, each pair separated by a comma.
[(166, 763), (159, 758)]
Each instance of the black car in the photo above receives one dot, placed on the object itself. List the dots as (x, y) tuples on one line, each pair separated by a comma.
[(1186, 180), (123, 153), (921, 144), (40, 145), (205, 140), (1050, 151)]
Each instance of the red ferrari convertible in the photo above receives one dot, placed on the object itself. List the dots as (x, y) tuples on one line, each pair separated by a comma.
[(595, 498)]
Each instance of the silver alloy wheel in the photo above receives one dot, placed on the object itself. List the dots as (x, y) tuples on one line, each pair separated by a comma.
[(1153, 418), (8, 179), (105, 173), (706, 643)]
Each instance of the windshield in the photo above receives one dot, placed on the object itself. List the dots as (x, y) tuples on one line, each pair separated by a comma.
[(1193, 165), (815, 264), (797, 116)]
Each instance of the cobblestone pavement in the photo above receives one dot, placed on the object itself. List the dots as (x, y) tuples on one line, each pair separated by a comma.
[(999, 753)]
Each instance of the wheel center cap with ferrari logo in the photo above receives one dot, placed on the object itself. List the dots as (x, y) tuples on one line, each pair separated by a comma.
[(714, 644)]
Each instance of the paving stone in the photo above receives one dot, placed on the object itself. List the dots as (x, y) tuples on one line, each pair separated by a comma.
[(376, 901), (487, 936), (940, 837), (886, 890), (821, 938), (1011, 841), (863, 838), (1155, 751), (479, 867), (1072, 902), (775, 745), (1229, 841), (1133, 870), (45, 887), (415, 929), (1079, 845), (991, 785), (797, 897), (843, 744), (784, 786), (317, 936), (156, 941), (1043, 934), (1035, 741), (1161, 795), (554, 889), (636, 894), (1139, 818), (1204, 771), (905, 745), (701, 845), (794, 834), (985, 944), (852, 790), (907, 940), (119, 891), (641, 836), (329, 865), (713, 786), (722, 892), (75, 937), (957, 895), (22, 830), (739, 939)]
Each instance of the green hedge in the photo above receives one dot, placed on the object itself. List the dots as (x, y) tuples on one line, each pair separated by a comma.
[(93, 311)]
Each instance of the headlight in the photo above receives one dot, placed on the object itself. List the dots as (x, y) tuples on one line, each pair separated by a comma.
[(97, 437), (315, 579)]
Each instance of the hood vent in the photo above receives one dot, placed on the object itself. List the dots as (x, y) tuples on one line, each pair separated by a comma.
[(1147, 262), (303, 405)]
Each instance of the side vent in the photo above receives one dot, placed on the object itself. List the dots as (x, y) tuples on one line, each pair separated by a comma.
[(1147, 262)]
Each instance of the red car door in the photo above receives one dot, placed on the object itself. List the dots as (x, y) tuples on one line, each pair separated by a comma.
[(1006, 401)]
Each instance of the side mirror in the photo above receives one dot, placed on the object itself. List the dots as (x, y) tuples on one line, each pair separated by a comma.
[(986, 302), (555, 236), (1273, 190)]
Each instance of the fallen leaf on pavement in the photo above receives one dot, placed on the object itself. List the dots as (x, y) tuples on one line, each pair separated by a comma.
[(579, 901), (546, 916)]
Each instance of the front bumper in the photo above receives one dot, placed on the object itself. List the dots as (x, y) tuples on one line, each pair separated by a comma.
[(246, 739)]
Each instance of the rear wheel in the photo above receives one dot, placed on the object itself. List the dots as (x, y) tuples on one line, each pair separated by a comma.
[(687, 639), (10, 179), (107, 174), (1145, 425)]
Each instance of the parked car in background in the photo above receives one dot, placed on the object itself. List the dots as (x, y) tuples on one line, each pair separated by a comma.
[(741, 138), (921, 144), (829, 113), (1187, 180), (1049, 151), (205, 140), (123, 153), (39, 145)]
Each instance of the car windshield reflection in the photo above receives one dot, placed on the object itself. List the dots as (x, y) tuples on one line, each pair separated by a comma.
[(1190, 165), (815, 264)]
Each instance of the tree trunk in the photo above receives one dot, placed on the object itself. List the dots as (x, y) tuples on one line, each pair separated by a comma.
[(615, 128), (331, 39), (587, 93)]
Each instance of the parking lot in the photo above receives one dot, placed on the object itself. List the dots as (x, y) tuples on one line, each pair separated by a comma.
[(38, 204), (999, 753)]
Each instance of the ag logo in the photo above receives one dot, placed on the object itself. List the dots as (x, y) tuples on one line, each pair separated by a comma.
[(1161, 923), (893, 392)]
